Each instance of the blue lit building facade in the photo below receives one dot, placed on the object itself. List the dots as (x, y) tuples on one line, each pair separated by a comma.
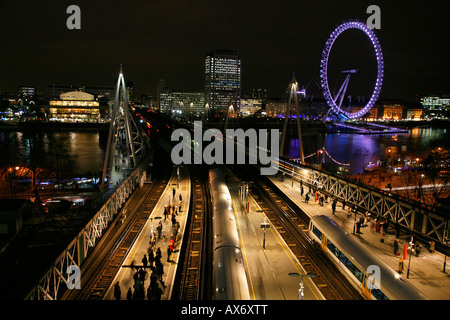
[(436, 107)]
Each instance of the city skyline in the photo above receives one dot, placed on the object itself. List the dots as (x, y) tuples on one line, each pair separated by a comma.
[(170, 41)]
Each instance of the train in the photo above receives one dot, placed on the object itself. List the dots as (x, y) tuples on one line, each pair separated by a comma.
[(229, 276), (368, 274)]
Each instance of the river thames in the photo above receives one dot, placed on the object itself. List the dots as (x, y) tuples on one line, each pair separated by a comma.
[(342, 147)]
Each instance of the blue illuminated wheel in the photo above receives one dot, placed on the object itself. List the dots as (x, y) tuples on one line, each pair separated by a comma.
[(324, 67)]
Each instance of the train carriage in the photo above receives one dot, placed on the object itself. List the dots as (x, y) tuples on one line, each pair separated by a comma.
[(365, 271), (230, 279)]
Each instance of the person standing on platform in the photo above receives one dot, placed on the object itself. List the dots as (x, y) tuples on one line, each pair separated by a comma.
[(307, 198), (432, 245), (158, 255), (400, 266), (386, 225), (129, 294), (172, 242), (160, 271), (142, 276), (396, 247), (397, 230), (333, 206), (382, 235), (144, 261), (159, 229), (158, 293), (117, 293), (343, 204), (151, 257), (169, 253), (377, 225), (174, 219)]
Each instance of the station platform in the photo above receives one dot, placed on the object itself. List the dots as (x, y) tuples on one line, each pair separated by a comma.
[(426, 270), (268, 259), (182, 185)]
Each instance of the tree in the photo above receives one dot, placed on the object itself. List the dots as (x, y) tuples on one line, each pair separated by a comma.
[(362, 154), (41, 157), (434, 173)]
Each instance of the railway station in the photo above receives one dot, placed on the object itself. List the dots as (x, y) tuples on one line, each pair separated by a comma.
[(226, 232), (274, 273)]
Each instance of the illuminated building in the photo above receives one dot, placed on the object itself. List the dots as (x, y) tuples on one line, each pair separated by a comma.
[(181, 103), (76, 106), (414, 114), (222, 81), (26, 91), (185, 102), (275, 107), (160, 86), (372, 115), (250, 107), (393, 112), (436, 107), (165, 100)]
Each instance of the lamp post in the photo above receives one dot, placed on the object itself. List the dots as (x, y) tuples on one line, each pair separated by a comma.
[(410, 254), (445, 243), (301, 295), (293, 172), (265, 225)]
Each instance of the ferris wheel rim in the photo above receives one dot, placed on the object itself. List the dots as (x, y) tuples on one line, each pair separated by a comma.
[(324, 67)]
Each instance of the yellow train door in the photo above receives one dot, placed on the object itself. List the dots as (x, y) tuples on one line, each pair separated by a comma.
[(324, 242), (366, 285)]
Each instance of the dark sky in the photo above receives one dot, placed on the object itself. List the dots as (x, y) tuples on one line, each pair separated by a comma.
[(170, 38)]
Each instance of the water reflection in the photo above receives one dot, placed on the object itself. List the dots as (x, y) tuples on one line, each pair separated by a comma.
[(346, 148), (84, 144)]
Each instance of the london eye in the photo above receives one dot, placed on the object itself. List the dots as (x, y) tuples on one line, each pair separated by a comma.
[(335, 102)]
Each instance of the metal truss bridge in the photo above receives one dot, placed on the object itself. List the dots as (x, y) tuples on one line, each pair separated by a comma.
[(429, 223), (126, 159)]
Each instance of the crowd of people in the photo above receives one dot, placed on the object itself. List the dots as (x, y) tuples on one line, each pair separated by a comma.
[(152, 267)]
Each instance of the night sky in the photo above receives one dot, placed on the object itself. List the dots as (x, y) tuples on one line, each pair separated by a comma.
[(169, 40)]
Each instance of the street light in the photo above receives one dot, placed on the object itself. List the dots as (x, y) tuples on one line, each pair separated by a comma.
[(445, 243), (410, 254), (293, 173), (265, 225), (301, 295)]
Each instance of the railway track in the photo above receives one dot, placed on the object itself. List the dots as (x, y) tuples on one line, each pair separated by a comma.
[(193, 279), (108, 256), (292, 224)]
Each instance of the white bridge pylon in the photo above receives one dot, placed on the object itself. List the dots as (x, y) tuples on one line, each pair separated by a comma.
[(125, 141), (293, 99)]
